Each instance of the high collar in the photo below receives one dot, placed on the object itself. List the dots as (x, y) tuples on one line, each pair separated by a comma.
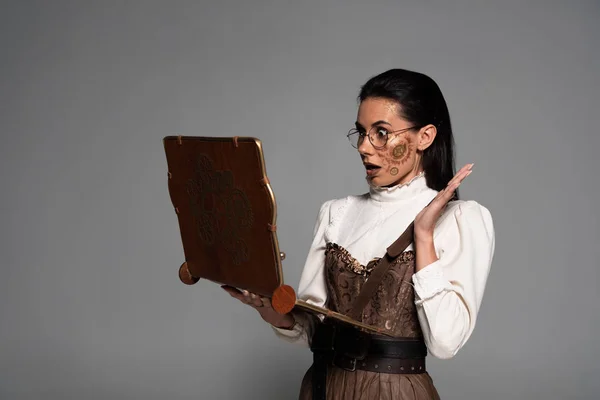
[(404, 191)]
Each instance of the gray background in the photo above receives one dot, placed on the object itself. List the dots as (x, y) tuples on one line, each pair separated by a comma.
[(90, 303)]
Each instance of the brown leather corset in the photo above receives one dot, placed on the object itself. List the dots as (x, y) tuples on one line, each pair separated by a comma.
[(393, 305)]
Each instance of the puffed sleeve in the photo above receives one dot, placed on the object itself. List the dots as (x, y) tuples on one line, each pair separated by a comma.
[(449, 291), (312, 287)]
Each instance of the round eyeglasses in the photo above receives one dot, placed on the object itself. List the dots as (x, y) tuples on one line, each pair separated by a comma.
[(378, 136)]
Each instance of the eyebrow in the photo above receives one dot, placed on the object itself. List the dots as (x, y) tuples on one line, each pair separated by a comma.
[(380, 122)]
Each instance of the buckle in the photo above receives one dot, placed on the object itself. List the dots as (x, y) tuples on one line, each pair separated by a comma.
[(352, 367), (345, 363)]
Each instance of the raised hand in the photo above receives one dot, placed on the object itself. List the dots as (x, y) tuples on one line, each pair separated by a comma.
[(425, 221)]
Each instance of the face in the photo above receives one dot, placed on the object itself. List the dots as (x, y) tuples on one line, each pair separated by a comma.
[(399, 160)]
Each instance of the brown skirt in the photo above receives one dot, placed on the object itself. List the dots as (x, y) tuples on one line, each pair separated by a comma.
[(367, 385)]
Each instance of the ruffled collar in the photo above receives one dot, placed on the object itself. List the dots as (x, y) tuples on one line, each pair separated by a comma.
[(404, 191)]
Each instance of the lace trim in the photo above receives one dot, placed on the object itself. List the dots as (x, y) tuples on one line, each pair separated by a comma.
[(355, 266), (347, 258), (335, 218), (331, 231), (397, 187)]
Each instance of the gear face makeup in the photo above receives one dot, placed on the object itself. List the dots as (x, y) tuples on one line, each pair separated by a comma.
[(396, 161), (399, 151)]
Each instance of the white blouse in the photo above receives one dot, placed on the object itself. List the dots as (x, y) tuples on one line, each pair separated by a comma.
[(448, 292)]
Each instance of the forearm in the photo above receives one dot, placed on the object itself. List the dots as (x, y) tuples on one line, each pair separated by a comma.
[(299, 332), (445, 322), (444, 317), (425, 251), (448, 291), (287, 322)]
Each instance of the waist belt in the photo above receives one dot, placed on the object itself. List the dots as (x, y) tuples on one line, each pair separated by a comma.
[(348, 348)]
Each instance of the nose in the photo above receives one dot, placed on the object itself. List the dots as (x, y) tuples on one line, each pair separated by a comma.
[(365, 148)]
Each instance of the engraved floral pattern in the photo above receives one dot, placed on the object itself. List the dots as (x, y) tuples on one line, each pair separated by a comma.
[(221, 211)]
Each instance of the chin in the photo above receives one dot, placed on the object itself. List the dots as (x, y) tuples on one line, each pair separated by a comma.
[(377, 182)]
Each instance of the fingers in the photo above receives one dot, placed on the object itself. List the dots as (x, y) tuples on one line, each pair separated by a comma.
[(246, 297), (457, 180), (460, 175), (255, 301), (267, 302), (258, 302), (233, 292), (446, 194)]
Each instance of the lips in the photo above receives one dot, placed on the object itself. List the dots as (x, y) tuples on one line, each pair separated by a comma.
[(371, 168)]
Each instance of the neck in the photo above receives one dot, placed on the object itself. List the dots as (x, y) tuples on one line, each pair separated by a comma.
[(400, 192)]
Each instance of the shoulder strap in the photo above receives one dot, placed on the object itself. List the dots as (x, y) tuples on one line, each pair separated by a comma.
[(371, 285)]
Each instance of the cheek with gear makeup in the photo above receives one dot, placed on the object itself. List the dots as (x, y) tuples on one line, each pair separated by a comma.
[(398, 161), (397, 154)]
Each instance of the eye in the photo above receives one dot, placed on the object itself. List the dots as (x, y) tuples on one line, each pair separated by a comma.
[(380, 132)]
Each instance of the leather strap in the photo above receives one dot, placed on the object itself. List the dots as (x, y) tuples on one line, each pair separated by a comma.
[(348, 348), (386, 365), (371, 363), (319, 376), (381, 346), (371, 285)]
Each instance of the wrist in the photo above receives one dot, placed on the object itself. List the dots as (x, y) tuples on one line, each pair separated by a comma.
[(289, 322), (424, 238), (426, 253)]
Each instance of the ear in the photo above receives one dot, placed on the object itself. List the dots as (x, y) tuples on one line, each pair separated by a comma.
[(426, 136)]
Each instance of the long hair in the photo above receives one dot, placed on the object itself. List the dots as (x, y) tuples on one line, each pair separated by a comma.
[(421, 103)]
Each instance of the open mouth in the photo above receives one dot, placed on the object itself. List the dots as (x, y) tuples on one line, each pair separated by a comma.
[(371, 168)]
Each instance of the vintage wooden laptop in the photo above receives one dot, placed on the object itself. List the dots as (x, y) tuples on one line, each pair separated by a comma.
[(228, 219)]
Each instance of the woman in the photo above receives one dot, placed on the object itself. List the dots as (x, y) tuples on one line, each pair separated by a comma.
[(431, 294)]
